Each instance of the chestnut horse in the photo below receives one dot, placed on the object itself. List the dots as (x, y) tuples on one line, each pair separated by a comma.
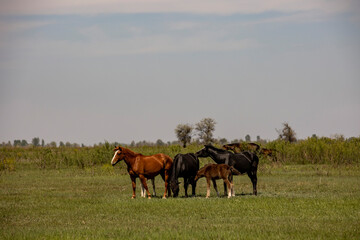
[(217, 171), (144, 167)]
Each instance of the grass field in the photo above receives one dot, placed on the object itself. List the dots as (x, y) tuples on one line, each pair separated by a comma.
[(294, 202)]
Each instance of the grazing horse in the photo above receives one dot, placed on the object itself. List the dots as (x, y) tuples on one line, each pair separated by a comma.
[(253, 147), (268, 152), (185, 166), (245, 162), (144, 167), (217, 171)]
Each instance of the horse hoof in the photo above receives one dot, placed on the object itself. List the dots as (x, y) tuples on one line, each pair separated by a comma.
[(164, 197), (149, 197), (133, 197)]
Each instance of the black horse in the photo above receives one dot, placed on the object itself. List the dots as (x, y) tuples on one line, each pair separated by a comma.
[(245, 162), (185, 166)]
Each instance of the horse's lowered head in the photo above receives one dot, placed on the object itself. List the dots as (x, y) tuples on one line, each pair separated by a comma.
[(118, 155), (174, 185)]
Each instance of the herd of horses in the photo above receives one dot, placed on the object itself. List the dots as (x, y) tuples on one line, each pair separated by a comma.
[(186, 166)]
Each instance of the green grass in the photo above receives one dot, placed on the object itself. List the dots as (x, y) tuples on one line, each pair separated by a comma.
[(294, 202)]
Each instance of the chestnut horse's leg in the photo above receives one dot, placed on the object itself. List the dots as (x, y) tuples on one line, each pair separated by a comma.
[(133, 181), (215, 187), (167, 187), (142, 192), (153, 184), (143, 180), (208, 188)]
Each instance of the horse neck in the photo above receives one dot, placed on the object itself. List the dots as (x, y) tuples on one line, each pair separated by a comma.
[(129, 156), (215, 156), (174, 173)]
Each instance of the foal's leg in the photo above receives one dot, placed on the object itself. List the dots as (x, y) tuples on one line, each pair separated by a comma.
[(143, 180), (232, 185), (232, 188), (208, 188), (226, 181), (225, 189), (214, 183)]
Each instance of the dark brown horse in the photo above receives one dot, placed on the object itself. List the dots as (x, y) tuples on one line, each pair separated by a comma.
[(252, 147), (217, 171), (268, 153), (144, 167)]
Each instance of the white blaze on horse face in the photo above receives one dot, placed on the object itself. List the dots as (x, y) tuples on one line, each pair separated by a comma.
[(113, 159)]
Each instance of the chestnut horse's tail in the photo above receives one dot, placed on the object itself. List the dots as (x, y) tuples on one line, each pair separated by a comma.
[(234, 171)]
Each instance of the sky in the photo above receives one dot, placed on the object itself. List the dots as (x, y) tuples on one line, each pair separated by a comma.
[(90, 71)]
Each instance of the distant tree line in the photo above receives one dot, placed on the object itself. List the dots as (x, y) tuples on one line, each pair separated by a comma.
[(200, 133)]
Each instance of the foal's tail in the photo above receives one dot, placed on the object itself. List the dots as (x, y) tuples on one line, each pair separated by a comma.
[(234, 171)]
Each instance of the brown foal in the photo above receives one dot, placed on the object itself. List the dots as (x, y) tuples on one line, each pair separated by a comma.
[(217, 171)]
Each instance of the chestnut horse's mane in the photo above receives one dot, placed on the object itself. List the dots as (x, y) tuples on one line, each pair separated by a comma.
[(128, 151)]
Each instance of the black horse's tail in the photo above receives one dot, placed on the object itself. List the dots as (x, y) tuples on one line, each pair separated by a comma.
[(234, 171)]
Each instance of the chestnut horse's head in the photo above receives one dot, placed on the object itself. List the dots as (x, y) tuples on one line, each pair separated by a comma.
[(118, 156)]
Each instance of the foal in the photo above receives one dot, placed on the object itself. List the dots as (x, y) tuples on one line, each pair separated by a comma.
[(217, 171)]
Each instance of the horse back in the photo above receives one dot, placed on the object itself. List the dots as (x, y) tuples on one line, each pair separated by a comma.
[(152, 165), (245, 161), (217, 171), (185, 165)]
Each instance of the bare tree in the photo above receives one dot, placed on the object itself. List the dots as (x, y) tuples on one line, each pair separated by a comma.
[(205, 130), (287, 133), (183, 133)]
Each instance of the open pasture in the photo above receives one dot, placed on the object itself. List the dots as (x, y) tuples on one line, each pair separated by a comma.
[(293, 202)]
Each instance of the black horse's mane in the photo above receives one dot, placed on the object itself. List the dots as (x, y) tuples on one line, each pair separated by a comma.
[(217, 149)]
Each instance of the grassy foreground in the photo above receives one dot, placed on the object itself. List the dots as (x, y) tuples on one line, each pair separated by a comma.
[(294, 202)]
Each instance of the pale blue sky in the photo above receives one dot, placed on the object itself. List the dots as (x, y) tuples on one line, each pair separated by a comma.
[(87, 73)]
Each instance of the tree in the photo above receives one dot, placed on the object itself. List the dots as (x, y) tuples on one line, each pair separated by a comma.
[(287, 133), (24, 143), (183, 133), (247, 138), (223, 141), (35, 142), (17, 143), (205, 129), (159, 142)]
